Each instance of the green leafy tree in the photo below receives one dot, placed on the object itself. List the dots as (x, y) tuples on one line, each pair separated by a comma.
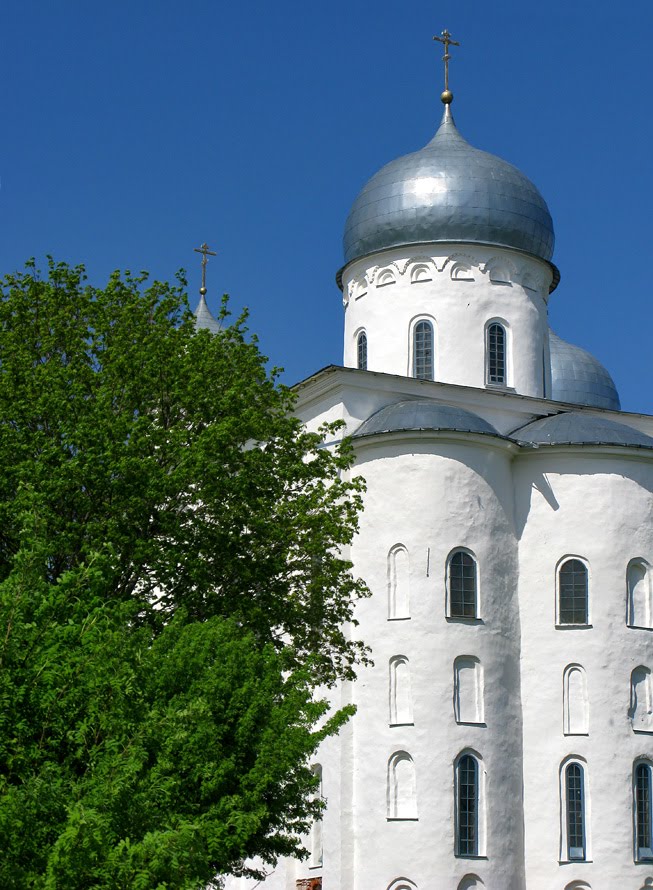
[(172, 591)]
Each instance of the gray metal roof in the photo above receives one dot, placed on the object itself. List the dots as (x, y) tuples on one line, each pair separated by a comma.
[(420, 414), (204, 318), (578, 428), (449, 191), (579, 378)]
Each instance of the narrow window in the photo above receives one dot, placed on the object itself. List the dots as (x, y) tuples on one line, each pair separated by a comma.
[(643, 832), (575, 808), (401, 709), (496, 353), (641, 700), (316, 828), (638, 584), (462, 585), (398, 580), (362, 351), (402, 790), (575, 702), (467, 806), (423, 350), (468, 690), (572, 592)]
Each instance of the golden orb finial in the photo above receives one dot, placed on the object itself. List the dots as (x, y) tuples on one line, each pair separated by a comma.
[(446, 97)]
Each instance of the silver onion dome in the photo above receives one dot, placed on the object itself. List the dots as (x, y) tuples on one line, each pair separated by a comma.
[(423, 414), (579, 378), (449, 191), (204, 318)]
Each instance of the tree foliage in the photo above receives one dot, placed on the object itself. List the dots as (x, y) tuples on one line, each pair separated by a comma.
[(172, 592)]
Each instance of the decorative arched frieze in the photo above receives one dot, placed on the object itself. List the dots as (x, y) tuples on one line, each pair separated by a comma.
[(386, 275), (357, 287), (575, 707), (468, 690), (401, 703), (462, 266), (641, 700), (402, 787), (421, 269), (500, 270), (398, 583), (639, 594)]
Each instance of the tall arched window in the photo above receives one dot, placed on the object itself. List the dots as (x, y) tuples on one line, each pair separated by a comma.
[(462, 585), (572, 592), (495, 351), (638, 585), (423, 350), (467, 806), (398, 583), (401, 706), (402, 787), (316, 828), (361, 350), (468, 689), (641, 699), (574, 791), (575, 704), (643, 821)]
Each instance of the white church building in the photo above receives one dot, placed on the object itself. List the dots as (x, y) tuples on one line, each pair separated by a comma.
[(504, 737)]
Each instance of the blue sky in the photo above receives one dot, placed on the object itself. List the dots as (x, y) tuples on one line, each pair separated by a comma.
[(133, 131)]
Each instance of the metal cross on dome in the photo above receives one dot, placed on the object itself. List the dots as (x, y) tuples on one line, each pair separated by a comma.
[(206, 252), (445, 38)]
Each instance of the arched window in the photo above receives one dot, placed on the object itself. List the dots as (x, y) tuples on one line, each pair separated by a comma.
[(575, 708), (401, 707), (470, 882), (641, 700), (398, 580), (643, 822), (572, 592), (574, 808), (468, 689), (423, 350), (467, 806), (361, 350), (316, 828), (495, 351), (402, 884), (638, 585), (461, 585), (402, 787)]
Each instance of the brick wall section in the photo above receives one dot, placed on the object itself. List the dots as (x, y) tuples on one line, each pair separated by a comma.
[(309, 884)]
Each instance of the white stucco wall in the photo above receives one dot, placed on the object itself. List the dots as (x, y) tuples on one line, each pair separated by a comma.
[(460, 289)]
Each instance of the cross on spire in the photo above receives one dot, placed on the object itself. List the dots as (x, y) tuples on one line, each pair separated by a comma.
[(206, 252), (445, 38)]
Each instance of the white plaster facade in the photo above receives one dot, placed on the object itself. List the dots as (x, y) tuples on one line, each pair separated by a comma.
[(516, 686)]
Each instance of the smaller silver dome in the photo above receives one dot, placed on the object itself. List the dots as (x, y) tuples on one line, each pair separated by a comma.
[(577, 428), (579, 378), (421, 414), (204, 318)]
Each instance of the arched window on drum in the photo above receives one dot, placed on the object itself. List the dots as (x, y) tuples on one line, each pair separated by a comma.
[(496, 357), (361, 351), (423, 350)]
